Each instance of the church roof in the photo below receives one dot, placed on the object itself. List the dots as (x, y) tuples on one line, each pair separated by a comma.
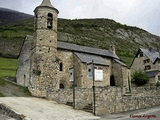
[(84, 49), (87, 58), (46, 3), (121, 63)]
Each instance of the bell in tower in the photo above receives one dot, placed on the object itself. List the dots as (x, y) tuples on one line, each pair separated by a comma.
[(49, 20)]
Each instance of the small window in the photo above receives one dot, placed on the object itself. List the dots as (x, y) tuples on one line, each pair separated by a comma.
[(141, 54), (147, 67), (146, 61), (90, 72), (159, 78), (60, 66), (71, 75), (49, 20)]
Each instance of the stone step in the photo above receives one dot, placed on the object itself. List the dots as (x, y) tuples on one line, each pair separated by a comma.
[(88, 108)]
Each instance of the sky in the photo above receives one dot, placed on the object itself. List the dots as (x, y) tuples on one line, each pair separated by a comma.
[(144, 14)]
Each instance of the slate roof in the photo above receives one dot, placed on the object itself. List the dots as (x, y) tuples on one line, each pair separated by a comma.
[(84, 49), (152, 73), (151, 54), (87, 58), (120, 62)]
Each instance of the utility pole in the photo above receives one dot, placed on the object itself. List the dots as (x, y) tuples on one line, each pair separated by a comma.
[(94, 101)]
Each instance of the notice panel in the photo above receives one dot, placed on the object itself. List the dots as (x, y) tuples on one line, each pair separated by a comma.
[(98, 74)]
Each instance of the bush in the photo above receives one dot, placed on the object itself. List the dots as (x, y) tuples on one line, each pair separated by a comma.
[(158, 84), (140, 78)]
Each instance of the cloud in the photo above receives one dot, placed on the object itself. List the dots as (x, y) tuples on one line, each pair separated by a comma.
[(141, 13)]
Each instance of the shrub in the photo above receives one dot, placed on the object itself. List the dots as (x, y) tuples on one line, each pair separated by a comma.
[(158, 84), (140, 78), (37, 72)]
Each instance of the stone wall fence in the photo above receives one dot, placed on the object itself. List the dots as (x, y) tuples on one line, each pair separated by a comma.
[(111, 99)]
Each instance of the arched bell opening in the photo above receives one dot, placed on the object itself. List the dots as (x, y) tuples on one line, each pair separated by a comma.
[(49, 20)]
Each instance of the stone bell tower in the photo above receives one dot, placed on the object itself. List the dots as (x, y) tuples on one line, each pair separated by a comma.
[(43, 69)]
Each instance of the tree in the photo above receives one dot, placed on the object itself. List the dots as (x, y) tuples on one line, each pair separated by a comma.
[(140, 78)]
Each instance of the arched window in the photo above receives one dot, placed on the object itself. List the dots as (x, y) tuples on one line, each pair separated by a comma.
[(49, 20)]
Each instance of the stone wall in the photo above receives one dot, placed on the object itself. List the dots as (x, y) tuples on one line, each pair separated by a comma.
[(108, 99), (121, 75), (12, 113), (83, 97), (80, 97), (65, 95), (111, 99), (138, 64), (66, 59), (81, 75), (22, 75)]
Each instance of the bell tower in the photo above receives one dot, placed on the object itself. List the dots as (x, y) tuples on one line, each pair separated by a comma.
[(43, 69)]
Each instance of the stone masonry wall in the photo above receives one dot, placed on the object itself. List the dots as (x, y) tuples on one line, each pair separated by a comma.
[(80, 97), (108, 99), (138, 64), (83, 97), (111, 99), (65, 95), (22, 75), (66, 58), (121, 75)]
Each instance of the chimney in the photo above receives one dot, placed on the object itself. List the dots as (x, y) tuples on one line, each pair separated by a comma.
[(151, 50), (112, 48)]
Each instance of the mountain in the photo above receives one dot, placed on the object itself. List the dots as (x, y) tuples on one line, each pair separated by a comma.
[(8, 15), (99, 33)]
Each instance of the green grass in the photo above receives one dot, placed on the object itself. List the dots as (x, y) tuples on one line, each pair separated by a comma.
[(8, 67), (16, 30), (127, 60)]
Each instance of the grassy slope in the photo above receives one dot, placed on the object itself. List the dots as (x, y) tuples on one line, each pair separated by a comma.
[(8, 69), (99, 33), (13, 34)]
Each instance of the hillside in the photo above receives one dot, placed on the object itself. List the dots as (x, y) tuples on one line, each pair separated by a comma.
[(98, 33), (8, 15)]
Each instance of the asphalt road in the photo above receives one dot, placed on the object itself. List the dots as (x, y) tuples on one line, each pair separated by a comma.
[(143, 114)]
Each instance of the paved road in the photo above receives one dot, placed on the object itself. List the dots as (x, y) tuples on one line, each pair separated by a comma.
[(41, 109), (144, 114)]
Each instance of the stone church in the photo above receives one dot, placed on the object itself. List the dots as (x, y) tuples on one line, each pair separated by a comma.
[(46, 64)]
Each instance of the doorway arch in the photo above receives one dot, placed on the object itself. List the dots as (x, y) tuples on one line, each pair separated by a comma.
[(61, 86)]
